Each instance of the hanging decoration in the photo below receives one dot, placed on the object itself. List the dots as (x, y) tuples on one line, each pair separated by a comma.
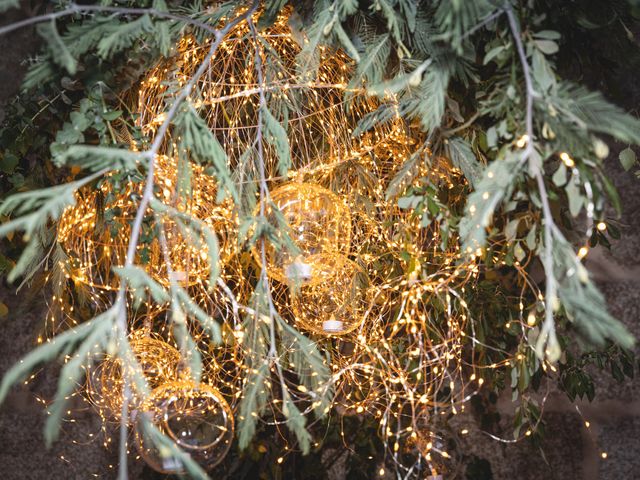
[(319, 226), (379, 290), (158, 361), (94, 233), (195, 416)]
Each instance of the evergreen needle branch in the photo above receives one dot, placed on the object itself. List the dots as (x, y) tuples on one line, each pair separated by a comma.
[(74, 9), (480, 25), (147, 195), (264, 192), (548, 332)]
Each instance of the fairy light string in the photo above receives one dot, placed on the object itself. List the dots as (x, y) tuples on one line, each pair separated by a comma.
[(376, 290)]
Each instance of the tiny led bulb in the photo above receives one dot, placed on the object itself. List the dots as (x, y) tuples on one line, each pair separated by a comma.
[(522, 141), (568, 161)]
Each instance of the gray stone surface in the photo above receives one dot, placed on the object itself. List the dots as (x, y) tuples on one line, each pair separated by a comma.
[(621, 436), (23, 454)]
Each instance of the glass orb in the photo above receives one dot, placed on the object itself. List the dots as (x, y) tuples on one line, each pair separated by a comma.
[(319, 223), (158, 361), (95, 232), (195, 416), (319, 128), (336, 306)]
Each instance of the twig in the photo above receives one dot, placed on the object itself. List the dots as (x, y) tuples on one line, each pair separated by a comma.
[(264, 192), (463, 126), (548, 328), (74, 9), (147, 195), (482, 23)]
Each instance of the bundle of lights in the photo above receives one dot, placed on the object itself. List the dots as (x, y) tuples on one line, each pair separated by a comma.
[(94, 234), (376, 291)]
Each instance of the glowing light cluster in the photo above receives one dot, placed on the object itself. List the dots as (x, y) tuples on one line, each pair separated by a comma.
[(376, 290)]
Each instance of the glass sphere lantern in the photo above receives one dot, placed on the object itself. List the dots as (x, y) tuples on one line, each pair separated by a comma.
[(195, 416), (159, 363), (339, 304), (319, 224)]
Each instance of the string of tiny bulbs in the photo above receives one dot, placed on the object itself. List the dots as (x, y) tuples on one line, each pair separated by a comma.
[(397, 335)]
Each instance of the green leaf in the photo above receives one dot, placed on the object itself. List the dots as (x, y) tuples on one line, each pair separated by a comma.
[(372, 65), (8, 162), (430, 102), (175, 455), (206, 321), (542, 72), (163, 38), (31, 257), (58, 49), (399, 82), (197, 138), (296, 422), (111, 116), (120, 36), (270, 11), (511, 230), (73, 371), (461, 156), (548, 47), (49, 350), (627, 158), (277, 136), (592, 112), (308, 59), (8, 4), (584, 304), (532, 239), (493, 53), (310, 366), (380, 116), (576, 200), (409, 202), (405, 175), (140, 282), (547, 35), (99, 158), (346, 41), (185, 341), (79, 121), (496, 184), (37, 207), (560, 177)]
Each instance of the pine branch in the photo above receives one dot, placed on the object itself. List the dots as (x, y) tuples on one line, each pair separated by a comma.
[(75, 9), (548, 334)]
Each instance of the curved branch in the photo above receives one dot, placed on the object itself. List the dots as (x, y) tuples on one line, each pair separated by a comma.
[(548, 331), (75, 9)]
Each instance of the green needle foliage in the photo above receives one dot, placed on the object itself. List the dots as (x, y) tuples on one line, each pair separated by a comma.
[(488, 86)]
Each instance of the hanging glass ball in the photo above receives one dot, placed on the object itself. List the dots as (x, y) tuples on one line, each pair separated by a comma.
[(195, 416), (336, 306), (158, 361), (319, 224), (95, 232)]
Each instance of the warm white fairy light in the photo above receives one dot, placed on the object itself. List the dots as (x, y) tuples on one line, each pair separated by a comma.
[(371, 272)]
